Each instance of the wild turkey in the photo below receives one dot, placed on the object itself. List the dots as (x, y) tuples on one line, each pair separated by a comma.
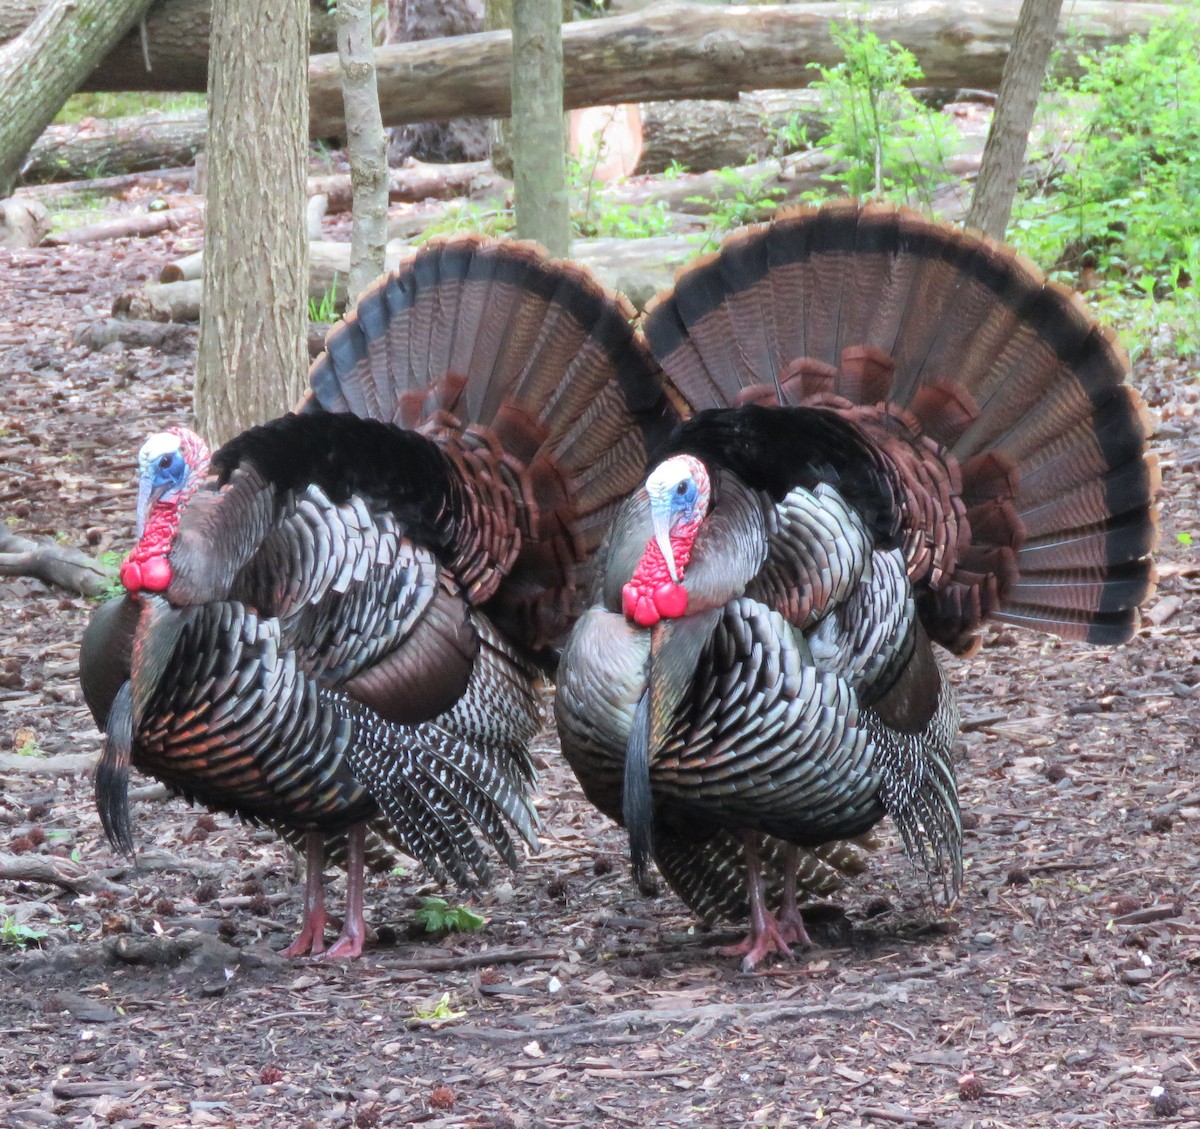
[(921, 433), (335, 630)]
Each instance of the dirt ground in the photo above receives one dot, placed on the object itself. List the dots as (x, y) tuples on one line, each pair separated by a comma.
[(1062, 989)]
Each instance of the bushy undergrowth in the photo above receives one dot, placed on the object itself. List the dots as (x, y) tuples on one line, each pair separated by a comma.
[(1119, 212)]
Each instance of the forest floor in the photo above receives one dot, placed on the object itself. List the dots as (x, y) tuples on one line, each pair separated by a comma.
[(1061, 989)]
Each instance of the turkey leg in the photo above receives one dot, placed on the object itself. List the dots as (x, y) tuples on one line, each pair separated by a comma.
[(312, 926), (354, 931), (791, 921)]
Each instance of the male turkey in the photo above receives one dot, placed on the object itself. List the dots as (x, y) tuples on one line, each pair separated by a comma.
[(921, 433), (335, 627)]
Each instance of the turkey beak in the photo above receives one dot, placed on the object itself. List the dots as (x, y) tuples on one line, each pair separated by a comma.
[(145, 501), (662, 535)]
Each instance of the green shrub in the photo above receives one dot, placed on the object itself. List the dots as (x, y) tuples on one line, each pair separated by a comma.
[(1120, 208)]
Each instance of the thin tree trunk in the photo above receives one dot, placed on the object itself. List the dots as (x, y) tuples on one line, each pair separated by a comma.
[(366, 144), (42, 68), (1004, 153), (497, 16), (253, 326), (539, 139)]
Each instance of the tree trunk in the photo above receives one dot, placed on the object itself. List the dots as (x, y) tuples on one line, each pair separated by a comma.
[(1004, 153), (173, 39), (367, 146), (540, 200), (253, 325), (497, 16), (678, 50), (40, 70)]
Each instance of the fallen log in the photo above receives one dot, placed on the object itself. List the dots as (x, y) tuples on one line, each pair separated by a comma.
[(168, 52), (167, 301), (676, 49), (124, 227), (416, 181), (50, 562), (108, 185), (166, 337), (125, 145)]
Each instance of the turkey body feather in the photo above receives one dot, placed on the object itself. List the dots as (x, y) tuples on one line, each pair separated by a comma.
[(335, 629), (899, 431)]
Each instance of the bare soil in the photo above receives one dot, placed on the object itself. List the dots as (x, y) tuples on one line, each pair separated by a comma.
[(1061, 989)]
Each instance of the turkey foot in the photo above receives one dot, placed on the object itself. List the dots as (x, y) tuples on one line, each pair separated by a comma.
[(765, 935), (764, 938), (311, 940)]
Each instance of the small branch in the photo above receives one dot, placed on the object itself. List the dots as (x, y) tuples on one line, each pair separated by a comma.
[(55, 871), (480, 960), (757, 1011), (68, 764)]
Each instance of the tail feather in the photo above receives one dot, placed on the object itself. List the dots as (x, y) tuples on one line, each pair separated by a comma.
[(999, 389), (530, 376), (112, 772)]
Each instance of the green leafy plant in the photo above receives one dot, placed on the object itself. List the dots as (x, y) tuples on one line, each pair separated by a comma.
[(443, 1009), (596, 215), (436, 915), (27, 745), (485, 218), (885, 142), (748, 198), (1116, 211), (326, 308), (18, 934)]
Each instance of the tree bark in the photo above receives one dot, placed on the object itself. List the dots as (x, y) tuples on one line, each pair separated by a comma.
[(367, 146), (1004, 153), (678, 50), (129, 144), (41, 69), (540, 200), (253, 324), (173, 37)]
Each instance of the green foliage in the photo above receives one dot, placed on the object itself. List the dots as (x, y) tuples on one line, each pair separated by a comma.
[(122, 105), (595, 215), (1121, 203), (888, 144), (27, 744), (326, 308), (443, 1009), (748, 200), (471, 216), (436, 915), (18, 934), (110, 562)]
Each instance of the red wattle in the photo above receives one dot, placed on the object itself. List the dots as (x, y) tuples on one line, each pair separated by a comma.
[(156, 574), (131, 576), (671, 600)]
